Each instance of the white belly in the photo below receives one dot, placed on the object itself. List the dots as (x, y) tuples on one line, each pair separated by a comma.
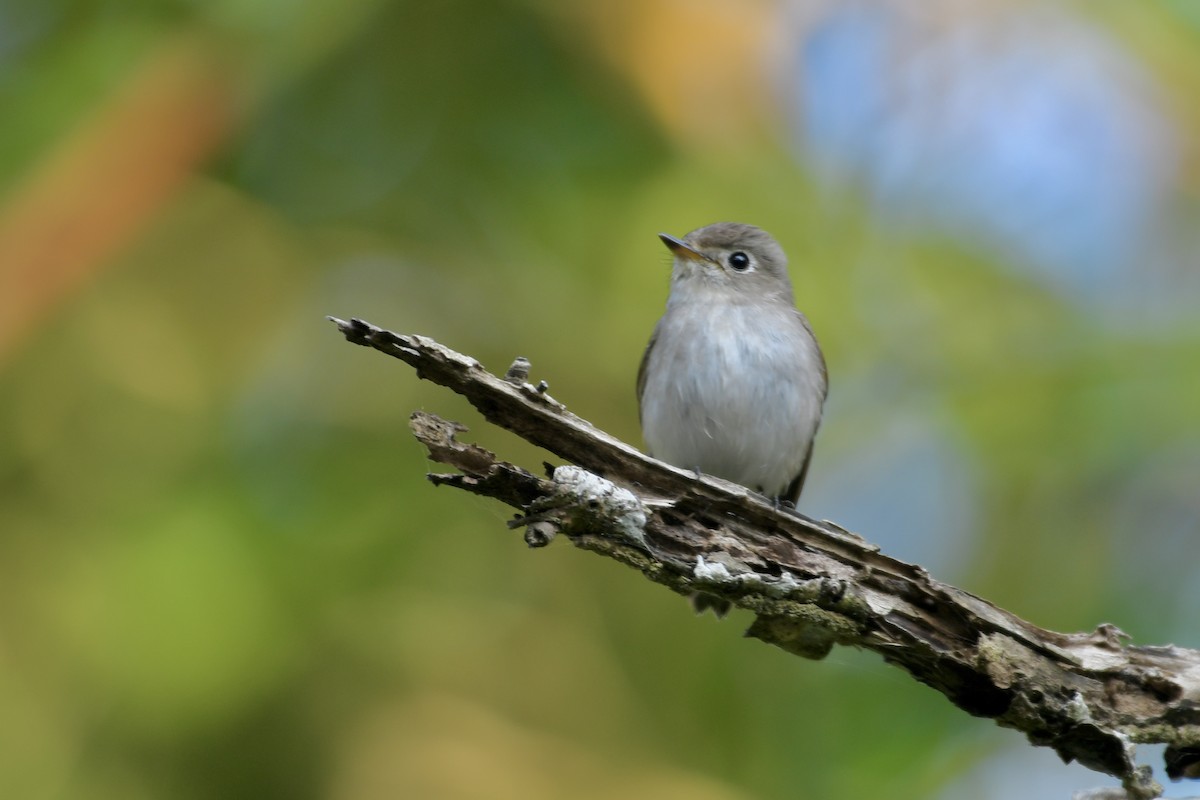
[(738, 406)]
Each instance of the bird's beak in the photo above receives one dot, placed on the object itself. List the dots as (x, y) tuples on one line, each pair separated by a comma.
[(683, 250)]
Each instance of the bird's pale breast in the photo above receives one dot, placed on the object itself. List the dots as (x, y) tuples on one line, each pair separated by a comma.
[(734, 390)]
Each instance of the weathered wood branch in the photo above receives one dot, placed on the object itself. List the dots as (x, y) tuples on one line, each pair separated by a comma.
[(1089, 696)]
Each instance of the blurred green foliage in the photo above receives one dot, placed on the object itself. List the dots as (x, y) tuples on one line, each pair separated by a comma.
[(222, 573)]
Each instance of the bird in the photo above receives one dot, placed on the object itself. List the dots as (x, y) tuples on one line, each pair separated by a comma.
[(733, 382)]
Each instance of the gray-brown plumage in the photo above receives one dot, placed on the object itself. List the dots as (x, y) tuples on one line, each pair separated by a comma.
[(732, 382)]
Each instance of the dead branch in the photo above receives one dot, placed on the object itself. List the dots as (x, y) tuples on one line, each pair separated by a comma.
[(1090, 696)]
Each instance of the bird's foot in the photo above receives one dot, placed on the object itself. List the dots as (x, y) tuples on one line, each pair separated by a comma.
[(783, 504)]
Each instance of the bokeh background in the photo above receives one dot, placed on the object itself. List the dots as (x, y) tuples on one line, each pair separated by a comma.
[(222, 573)]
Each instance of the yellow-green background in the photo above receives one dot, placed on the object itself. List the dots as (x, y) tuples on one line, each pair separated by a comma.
[(222, 573)]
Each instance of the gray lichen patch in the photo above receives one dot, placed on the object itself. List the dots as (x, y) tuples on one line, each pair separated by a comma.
[(723, 571), (619, 507)]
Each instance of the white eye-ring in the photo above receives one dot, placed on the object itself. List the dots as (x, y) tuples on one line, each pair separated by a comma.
[(739, 261)]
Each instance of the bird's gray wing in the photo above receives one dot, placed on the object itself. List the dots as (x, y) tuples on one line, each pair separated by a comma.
[(641, 378), (797, 485), (820, 355)]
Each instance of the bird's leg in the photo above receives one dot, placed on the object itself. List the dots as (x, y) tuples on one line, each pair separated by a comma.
[(783, 504)]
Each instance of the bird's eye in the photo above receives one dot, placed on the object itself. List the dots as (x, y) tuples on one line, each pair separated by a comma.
[(739, 261)]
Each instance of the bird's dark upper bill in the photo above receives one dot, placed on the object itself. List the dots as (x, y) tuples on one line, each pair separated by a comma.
[(681, 248)]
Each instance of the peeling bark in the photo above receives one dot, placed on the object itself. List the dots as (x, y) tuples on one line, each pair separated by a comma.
[(1090, 696)]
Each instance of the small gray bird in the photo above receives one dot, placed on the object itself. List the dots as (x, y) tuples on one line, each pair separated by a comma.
[(733, 382)]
